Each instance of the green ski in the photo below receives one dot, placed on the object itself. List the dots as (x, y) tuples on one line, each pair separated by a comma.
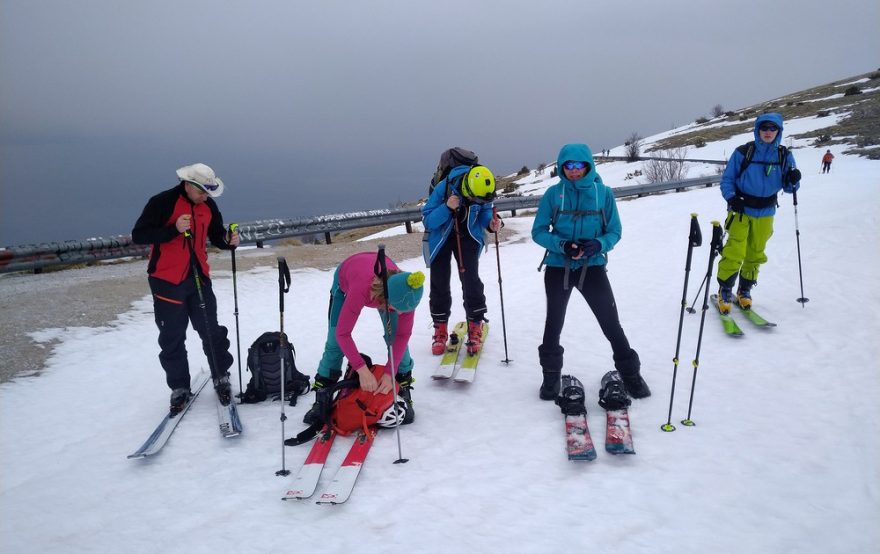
[(468, 369), (450, 357), (755, 318), (730, 326)]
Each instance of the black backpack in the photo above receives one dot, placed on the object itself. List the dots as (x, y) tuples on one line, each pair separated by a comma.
[(264, 363), (449, 160)]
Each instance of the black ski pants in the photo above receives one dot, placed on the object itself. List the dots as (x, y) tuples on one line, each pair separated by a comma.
[(440, 300), (174, 307), (599, 296)]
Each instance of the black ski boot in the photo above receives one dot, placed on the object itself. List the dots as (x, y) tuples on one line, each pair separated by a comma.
[(223, 389), (179, 398), (612, 395), (317, 413), (550, 387), (571, 396), (629, 368), (551, 365), (406, 380)]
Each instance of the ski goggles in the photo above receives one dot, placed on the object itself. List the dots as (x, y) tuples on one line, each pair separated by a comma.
[(575, 165), (207, 187), (768, 128)]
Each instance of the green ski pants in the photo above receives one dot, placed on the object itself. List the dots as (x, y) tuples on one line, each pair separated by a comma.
[(743, 252)]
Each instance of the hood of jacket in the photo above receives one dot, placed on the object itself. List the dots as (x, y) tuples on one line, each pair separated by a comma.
[(577, 153), (772, 117)]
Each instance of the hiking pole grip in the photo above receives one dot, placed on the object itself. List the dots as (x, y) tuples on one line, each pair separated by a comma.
[(283, 281)]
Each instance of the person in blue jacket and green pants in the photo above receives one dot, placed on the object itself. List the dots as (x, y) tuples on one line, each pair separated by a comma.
[(754, 175), (577, 222)]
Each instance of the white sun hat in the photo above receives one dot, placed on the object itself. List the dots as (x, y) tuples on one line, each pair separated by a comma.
[(203, 177)]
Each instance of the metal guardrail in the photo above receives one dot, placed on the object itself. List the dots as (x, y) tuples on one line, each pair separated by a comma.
[(659, 158), (36, 257)]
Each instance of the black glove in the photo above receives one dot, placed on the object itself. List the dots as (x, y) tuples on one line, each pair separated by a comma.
[(794, 176), (591, 247), (736, 204), (571, 248)]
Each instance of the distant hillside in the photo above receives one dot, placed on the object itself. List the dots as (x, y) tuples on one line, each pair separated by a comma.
[(855, 101)]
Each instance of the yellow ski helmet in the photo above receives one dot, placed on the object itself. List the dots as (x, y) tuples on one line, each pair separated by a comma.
[(479, 184)]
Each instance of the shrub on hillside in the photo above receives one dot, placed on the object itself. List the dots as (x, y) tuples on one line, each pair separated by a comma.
[(672, 168), (699, 142), (633, 147), (523, 170), (717, 110), (852, 91), (702, 119), (823, 113), (823, 139)]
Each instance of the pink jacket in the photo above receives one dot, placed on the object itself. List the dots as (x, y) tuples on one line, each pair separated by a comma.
[(355, 279)]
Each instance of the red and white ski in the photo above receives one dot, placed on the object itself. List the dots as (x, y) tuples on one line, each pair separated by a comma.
[(306, 480), (346, 476)]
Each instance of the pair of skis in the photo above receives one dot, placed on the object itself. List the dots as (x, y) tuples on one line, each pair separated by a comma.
[(579, 443), (730, 326), (339, 489), (227, 416), (449, 366)]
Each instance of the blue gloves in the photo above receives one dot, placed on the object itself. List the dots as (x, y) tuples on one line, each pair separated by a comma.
[(589, 247), (592, 247), (571, 248)]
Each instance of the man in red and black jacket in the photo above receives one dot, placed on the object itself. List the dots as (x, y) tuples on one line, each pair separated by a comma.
[(177, 224)]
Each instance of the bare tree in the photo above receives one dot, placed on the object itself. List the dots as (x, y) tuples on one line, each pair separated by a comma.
[(672, 168), (633, 147), (717, 110)]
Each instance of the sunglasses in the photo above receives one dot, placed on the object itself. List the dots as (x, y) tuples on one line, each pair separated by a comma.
[(575, 165), (768, 128), (206, 187)]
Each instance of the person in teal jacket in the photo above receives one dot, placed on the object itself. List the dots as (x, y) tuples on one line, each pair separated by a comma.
[(754, 175), (456, 217), (577, 222)]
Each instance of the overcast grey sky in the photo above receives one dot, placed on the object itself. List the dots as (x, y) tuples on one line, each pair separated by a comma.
[(305, 108)]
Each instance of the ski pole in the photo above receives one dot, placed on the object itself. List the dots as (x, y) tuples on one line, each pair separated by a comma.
[(232, 228), (690, 309), (381, 271), (283, 287), (695, 239), (714, 248), (506, 359), (458, 240), (188, 237), (803, 300)]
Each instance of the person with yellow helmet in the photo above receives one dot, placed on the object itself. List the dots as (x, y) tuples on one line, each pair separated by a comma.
[(456, 216)]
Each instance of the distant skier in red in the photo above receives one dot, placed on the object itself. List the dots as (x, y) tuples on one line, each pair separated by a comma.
[(826, 161)]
